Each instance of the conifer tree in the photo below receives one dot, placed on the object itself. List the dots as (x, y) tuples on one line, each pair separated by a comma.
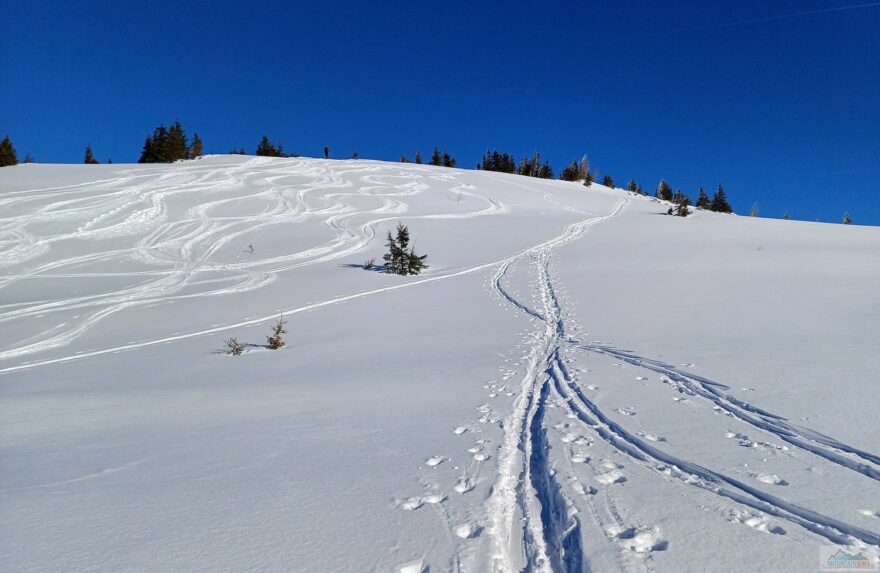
[(195, 148), (607, 181), (402, 259), (664, 191), (588, 178), (570, 172), (90, 158), (418, 157), (545, 171), (679, 196), (28, 158), (703, 200), (846, 219), (268, 149), (436, 158), (175, 145), (632, 187), (7, 153), (403, 159), (785, 215), (719, 202), (448, 161), (681, 210), (276, 341)]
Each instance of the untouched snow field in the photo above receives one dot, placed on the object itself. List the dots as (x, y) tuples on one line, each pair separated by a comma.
[(577, 383)]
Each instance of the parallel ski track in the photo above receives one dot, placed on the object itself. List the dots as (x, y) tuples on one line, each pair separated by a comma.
[(656, 460), (527, 509)]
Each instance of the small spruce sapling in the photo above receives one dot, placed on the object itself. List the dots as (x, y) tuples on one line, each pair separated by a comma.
[(275, 341), (234, 347), (846, 219)]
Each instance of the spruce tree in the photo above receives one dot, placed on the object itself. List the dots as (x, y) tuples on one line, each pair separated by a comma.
[(785, 215), (588, 178), (681, 208), (436, 158), (28, 158), (401, 259), (175, 146), (570, 172), (607, 181), (7, 153), (719, 202), (846, 219), (403, 159), (90, 158), (448, 160), (703, 200), (418, 158), (632, 187), (266, 148), (664, 191), (195, 148)]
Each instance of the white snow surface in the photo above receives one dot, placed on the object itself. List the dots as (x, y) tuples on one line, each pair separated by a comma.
[(577, 383)]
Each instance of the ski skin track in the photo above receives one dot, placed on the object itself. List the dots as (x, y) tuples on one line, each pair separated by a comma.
[(653, 458), (514, 492)]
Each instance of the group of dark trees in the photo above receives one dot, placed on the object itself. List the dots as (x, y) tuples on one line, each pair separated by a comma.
[(268, 149), (505, 163), (170, 144), (718, 203)]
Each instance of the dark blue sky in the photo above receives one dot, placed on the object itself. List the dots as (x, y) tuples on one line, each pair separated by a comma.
[(777, 100)]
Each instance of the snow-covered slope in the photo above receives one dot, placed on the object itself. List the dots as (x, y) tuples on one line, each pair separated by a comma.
[(577, 383)]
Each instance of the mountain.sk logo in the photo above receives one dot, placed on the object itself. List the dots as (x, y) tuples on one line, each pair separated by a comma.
[(833, 558)]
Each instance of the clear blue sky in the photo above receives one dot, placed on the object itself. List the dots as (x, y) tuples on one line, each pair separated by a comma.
[(777, 100)]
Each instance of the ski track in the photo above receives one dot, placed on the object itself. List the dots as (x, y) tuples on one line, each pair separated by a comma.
[(521, 462), (137, 204), (527, 510)]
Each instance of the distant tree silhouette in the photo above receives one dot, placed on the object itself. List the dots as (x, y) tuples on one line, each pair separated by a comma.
[(719, 202), (89, 157), (195, 147), (703, 200), (7, 153)]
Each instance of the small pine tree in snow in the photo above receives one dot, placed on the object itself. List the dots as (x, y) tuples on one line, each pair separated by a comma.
[(7, 153), (846, 219), (436, 157), (632, 187), (418, 158), (278, 331), (785, 215), (90, 158), (29, 159), (401, 259), (607, 181), (681, 208), (233, 346), (588, 178), (703, 201), (403, 159)]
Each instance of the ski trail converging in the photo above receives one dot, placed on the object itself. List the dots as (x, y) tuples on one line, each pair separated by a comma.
[(509, 503), (524, 506)]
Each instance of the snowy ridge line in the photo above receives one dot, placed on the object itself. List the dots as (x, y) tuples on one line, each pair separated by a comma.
[(525, 486), (176, 243), (802, 438)]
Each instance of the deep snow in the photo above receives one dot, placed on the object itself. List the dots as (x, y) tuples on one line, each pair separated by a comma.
[(578, 382)]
